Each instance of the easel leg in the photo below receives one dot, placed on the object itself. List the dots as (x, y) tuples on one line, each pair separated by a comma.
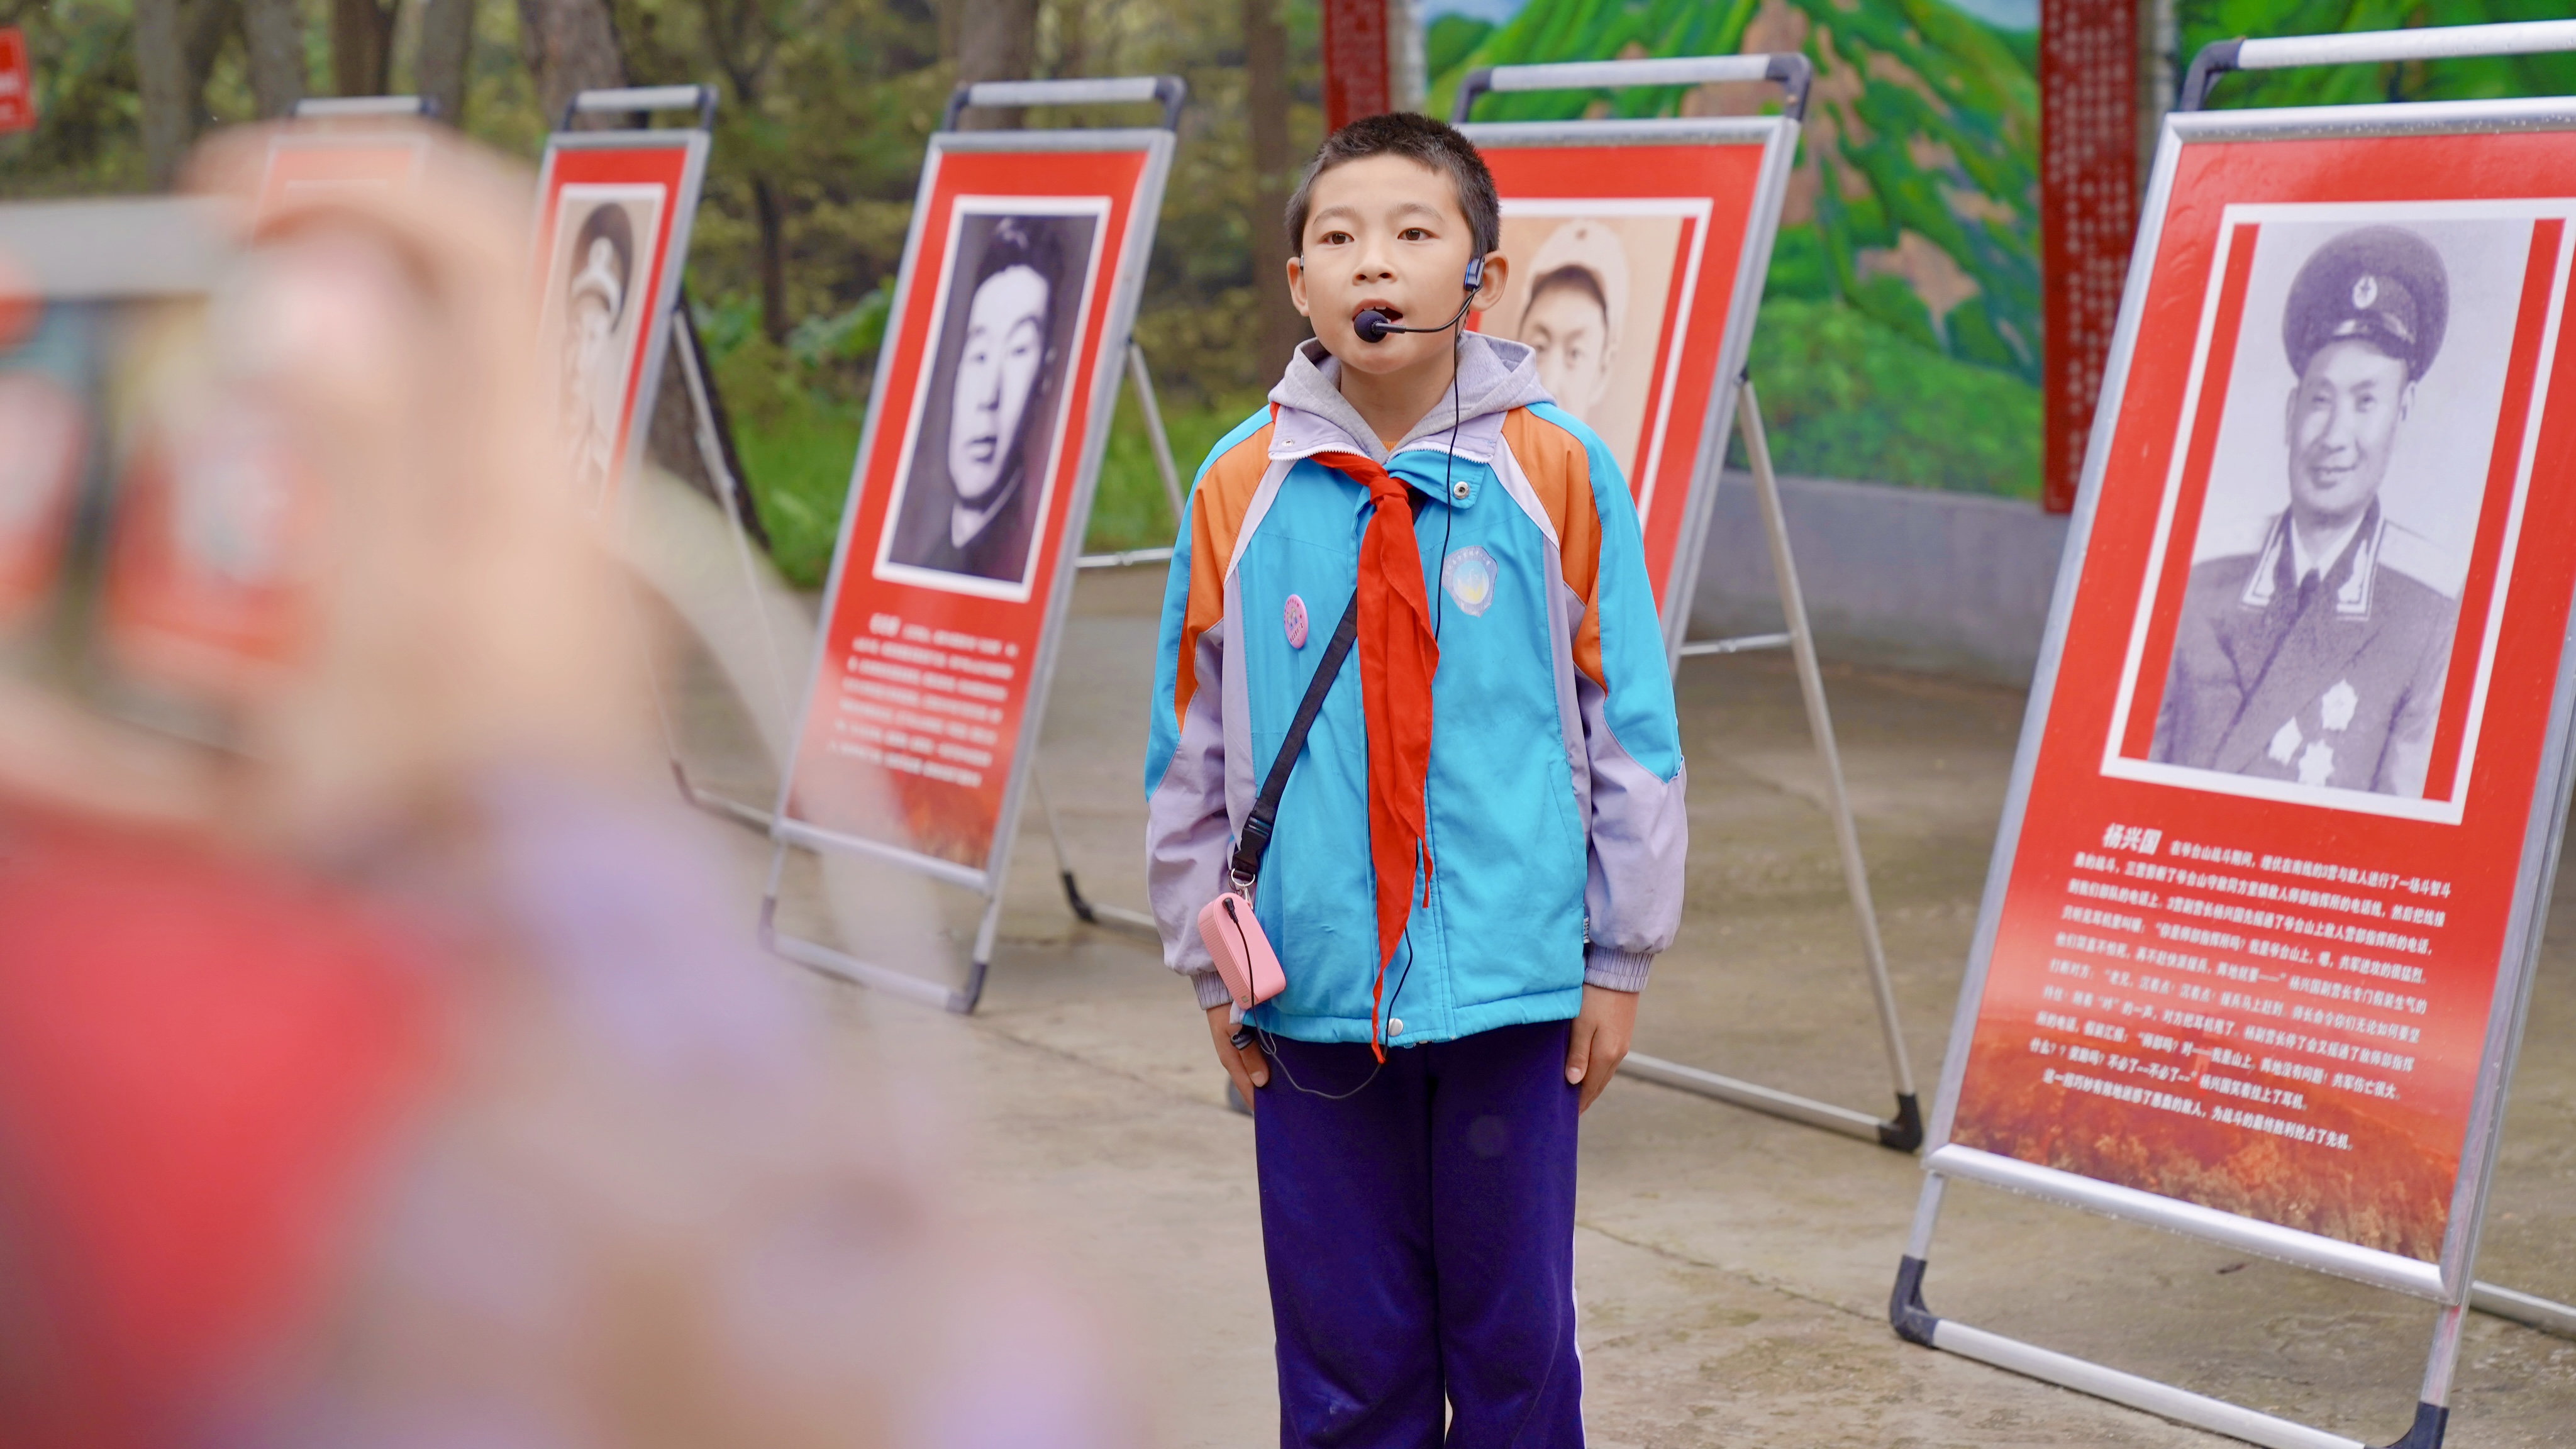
[(711, 457), (1906, 1130), (1154, 434), (1090, 913), (729, 489)]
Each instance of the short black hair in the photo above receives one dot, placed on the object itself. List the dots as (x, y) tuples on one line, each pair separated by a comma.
[(1026, 241), (1415, 138), (1569, 278)]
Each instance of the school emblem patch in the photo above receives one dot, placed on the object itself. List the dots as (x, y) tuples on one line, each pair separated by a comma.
[(1469, 575)]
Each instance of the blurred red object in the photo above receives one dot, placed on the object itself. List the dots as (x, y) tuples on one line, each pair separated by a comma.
[(17, 82), (201, 1060)]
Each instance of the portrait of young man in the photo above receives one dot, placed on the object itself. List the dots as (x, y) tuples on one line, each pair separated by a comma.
[(1587, 295), (974, 486), (2314, 640), (1578, 299)]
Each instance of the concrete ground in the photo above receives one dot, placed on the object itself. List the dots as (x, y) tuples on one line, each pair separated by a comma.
[(1733, 1268)]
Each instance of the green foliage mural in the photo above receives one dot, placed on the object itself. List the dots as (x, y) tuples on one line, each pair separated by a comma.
[(2204, 21), (1905, 286)]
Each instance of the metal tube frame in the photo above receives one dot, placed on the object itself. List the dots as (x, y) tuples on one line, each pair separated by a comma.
[(1904, 1131), (641, 101), (1732, 402), (335, 108), (2449, 1282), (1086, 910), (786, 831), (711, 456)]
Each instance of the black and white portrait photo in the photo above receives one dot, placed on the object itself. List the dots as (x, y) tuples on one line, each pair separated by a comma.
[(2313, 642), (988, 419), (594, 314)]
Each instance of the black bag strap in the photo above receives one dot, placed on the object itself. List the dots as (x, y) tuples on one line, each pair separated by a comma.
[(1255, 839)]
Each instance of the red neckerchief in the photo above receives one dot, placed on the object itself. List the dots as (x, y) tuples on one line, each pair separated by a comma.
[(1398, 655)]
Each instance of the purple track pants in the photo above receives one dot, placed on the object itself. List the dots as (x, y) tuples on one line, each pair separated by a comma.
[(1420, 1242)]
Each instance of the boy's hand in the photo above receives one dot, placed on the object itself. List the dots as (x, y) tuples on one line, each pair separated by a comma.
[(1249, 1068), (1599, 1041)]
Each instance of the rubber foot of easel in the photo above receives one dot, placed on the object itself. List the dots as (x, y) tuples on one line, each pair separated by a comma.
[(2430, 1422), (1904, 1131), (1913, 1322)]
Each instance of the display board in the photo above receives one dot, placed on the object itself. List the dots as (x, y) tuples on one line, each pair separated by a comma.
[(973, 480), (2256, 943), (2267, 854), (1638, 251), (614, 210)]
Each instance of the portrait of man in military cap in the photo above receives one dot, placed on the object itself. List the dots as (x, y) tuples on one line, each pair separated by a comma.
[(595, 312), (2313, 641)]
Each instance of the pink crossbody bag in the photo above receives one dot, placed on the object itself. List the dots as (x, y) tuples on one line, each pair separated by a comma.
[(1244, 959)]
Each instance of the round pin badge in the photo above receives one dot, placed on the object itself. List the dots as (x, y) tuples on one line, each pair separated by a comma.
[(1294, 618), (1469, 576)]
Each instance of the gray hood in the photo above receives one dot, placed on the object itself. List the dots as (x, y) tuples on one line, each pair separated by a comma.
[(1494, 376)]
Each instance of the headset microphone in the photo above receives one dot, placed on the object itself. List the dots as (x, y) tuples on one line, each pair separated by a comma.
[(1373, 325)]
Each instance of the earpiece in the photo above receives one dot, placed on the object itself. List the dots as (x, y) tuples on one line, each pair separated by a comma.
[(1475, 274)]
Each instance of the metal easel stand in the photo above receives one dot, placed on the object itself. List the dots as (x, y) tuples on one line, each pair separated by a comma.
[(831, 962), (1902, 1132), (711, 456), (1916, 1323), (1088, 911)]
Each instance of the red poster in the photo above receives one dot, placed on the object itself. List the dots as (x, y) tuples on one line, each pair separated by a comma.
[(1637, 260), (971, 483), (17, 83), (2271, 839), (613, 216)]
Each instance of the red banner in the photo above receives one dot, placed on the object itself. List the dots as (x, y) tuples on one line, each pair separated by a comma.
[(17, 82), (960, 513), (2272, 840), (2088, 213), (1625, 273), (1355, 68)]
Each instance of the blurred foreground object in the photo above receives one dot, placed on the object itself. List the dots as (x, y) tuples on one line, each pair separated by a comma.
[(375, 1064)]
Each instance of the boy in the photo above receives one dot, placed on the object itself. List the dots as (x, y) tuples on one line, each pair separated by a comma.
[(1479, 851)]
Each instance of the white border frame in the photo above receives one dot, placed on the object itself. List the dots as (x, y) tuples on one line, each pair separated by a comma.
[(1098, 209), (2231, 218)]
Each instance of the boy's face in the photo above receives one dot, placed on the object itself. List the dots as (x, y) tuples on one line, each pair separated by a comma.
[(1386, 232)]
